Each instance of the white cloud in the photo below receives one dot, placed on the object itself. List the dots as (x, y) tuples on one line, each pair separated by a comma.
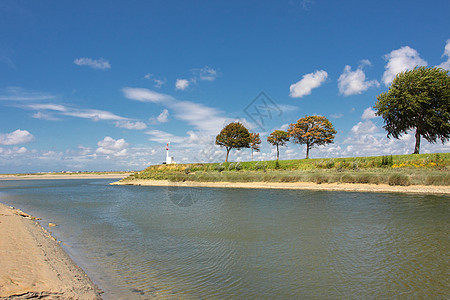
[(369, 113), (203, 74), (110, 146), (145, 95), (307, 83), (131, 125), (354, 82), (182, 84), (364, 128), (401, 60), (163, 116), (446, 64), (16, 137), (98, 64), (19, 94)]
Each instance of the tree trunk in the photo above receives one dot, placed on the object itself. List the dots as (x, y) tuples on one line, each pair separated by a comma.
[(417, 146), (278, 153), (307, 151), (228, 152)]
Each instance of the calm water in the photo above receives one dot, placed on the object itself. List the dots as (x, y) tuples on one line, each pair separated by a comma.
[(199, 243)]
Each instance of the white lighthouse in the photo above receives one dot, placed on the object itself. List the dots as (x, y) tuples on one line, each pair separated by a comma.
[(169, 159)]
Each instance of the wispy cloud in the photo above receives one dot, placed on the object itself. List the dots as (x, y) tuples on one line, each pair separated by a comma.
[(131, 125), (14, 93), (158, 83), (400, 60), (97, 64), (92, 114), (354, 82), (146, 95), (206, 73), (202, 117), (336, 116), (446, 64), (160, 136), (307, 84), (16, 137), (45, 116)]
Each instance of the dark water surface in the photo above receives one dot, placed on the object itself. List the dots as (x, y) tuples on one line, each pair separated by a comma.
[(202, 243)]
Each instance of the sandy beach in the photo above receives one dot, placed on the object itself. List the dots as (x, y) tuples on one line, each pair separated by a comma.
[(33, 264), (347, 187)]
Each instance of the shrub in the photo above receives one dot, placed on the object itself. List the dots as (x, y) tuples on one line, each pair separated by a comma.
[(238, 166), (330, 164), (277, 164), (347, 179), (187, 170), (260, 166), (442, 179), (231, 166), (399, 179), (386, 161), (220, 167)]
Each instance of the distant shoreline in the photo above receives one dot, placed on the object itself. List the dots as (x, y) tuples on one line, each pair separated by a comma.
[(63, 176), (345, 187)]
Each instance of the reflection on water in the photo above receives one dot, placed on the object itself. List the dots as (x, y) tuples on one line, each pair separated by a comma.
[(144, 242)]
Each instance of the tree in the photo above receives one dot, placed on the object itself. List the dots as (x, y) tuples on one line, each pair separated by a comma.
[(418, 99), (278, 138), (234, 135), (255, 142), (312, 131)]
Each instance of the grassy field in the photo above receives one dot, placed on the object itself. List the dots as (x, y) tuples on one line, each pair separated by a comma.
[(425, 169)]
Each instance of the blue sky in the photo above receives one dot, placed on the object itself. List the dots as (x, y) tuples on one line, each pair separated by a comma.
[(104, 85)]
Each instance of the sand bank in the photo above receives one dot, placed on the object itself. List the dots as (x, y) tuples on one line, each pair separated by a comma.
[(65, 176), (347, 187), (33, 264)]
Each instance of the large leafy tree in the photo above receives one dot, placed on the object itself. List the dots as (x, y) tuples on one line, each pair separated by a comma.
[(418, 99), (255, 142), (233, 136), (278, 138), (312, 131)]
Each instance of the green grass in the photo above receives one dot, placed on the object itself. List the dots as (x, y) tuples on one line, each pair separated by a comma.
[(428, 169)]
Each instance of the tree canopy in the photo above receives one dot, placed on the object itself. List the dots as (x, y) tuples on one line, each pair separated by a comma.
[(278, 138), (312, 131), (255, 142), (233, 136), (418, 99)]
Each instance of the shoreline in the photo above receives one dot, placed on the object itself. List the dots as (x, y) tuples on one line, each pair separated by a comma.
[(345, 187), (34, 265), (63, 176)]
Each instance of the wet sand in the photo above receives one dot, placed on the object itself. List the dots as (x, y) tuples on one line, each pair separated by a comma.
[(34, 266), (347, 187)]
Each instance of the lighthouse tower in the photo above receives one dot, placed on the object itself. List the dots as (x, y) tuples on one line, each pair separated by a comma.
[(169, 159)]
